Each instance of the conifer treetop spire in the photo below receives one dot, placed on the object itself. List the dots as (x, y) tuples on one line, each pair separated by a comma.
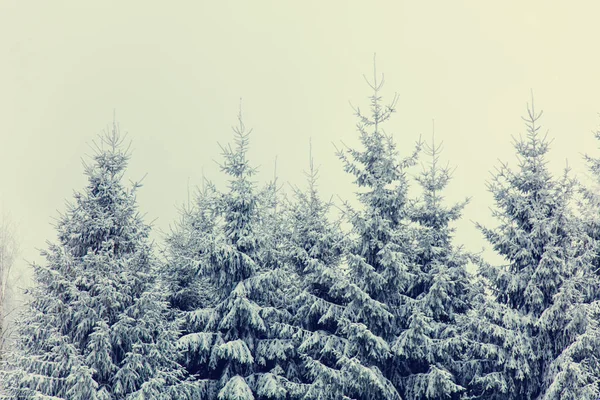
[(110, 152), (532, 150), (236, 163), (379, 113), (593, 162), (313, 172)]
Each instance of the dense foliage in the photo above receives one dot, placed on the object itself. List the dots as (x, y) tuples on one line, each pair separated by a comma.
[(96, 327), (261, 296)]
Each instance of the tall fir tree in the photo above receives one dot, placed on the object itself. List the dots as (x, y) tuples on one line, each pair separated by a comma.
[(529, 320), (314, 250), (96, 326), (189, 240), (430, 349), (575, 373), (229, 339), (380, 258)]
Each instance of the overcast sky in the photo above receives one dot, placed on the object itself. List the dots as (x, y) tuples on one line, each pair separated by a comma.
[(174, 74)]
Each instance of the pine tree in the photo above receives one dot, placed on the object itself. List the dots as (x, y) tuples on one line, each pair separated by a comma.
[(430, 348), (575, 373), (189, 289), (380, 257), (527, 324), (229, 340), (188, 242), (314, 248), (96, 326)]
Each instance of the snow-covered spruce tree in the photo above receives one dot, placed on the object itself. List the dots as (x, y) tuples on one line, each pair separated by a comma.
[(575, 373), (531, 316), (430, 349), (95, 327), (190, 242), (314, 248), (380, 257), (589, 212), (190, 239), (229, 339)]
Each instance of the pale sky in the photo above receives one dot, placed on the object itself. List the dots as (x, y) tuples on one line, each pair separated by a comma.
[(174, 73)]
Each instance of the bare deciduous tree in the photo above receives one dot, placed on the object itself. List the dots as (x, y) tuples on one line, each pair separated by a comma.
[(9, 249)]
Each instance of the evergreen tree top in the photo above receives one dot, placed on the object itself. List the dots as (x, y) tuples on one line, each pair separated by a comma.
[(531, 152), (534, 233), (236, 163), (378, 164), (111, 154), (381, 175), (433, 180), (105, 213), (241, 203), (308, 216)]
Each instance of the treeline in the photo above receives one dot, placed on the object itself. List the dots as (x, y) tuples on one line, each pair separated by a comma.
[(258, 295)]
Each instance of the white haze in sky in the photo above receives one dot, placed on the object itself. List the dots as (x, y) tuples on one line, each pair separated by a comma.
[(174, 72)]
